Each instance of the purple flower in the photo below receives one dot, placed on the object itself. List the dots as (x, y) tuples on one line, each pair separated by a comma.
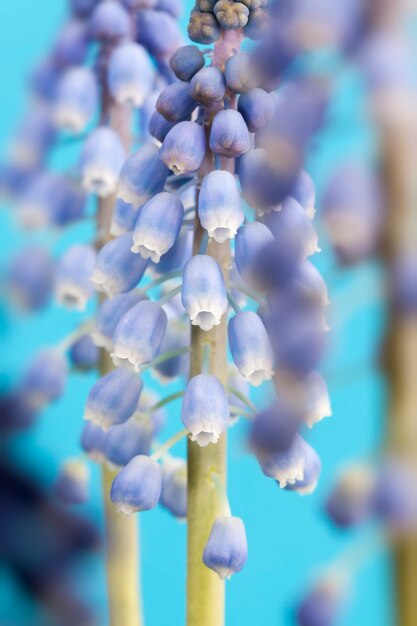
[(208, 86), (30, 278), (76, 100), (45, 379), (184, 148), (110, 22), (226, 551), (204, 292), (142, 176), (125, 441), (130, 74), (240, 73), (113, 399), (174, 487), (229, 134), (257, 108), (219, 205), (175, 102), (71, 485), (186, 61), (101, 160), (250, 347), (205, 411), (84, 353), (73, 287), (109, 315), (137, 487)]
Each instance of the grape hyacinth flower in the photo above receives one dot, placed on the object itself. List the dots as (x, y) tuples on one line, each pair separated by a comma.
[(175, 102), (110, 22), (205, 411), (109, 315), (286, 466), (137, 487), (250, 347), (139, 334), (252, 241), (229, 135), (130, 74), (92, 441), (143, 174), (118, 270), (203, 291), (31, 278), (113, 399), (124, 218), (208, 86), (73, 287), (125, 441), (219, 205), (312, 470), (186, 62), (226, 551), (257, 108), (158, 226), (84, 354), (304, 191), (174, 487), (101, 160), (76, 100), (184, 148), (45, 379), (240, 73)]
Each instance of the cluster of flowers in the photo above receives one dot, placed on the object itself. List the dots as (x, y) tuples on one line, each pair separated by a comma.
[(212, 115), (210, 17)]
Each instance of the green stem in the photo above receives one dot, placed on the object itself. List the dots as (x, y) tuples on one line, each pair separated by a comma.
[(165, 401), (241, 396), (172, 441), (163, 357)]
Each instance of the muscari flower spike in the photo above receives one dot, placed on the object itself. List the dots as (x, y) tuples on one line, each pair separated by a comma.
[(137, 487), (203, 291), (130, 74), (174, 487), (226, 550), (184, 148), (76, 100), (205, 410), (118, 270), (158, 226), (113, 399), (219, 205), (142, 176), (73, 287), (250, 347), (109, 315), (101, 160), (139, 334)]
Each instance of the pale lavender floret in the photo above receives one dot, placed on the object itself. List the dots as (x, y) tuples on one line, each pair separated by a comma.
[(184, 148), (304, 191), (130, 74), (250, 243), (226, 551), (205, 410), (186, 61), (118, 269), (101, 160), (293, 223), (137, 487), (272, 430), (33, 138), (287, 466), (229, 135), (109, 315), (71, 45), (174, 486), (322, 605), (175, 102), (76, 100), (113, 399), (257, 108), (83, 8), (159, 126), (50, 200), (240, 73), (250, 347), (139, 335), (158, 226), (142, 176), (84, 354), (219, 205), (30, 278), (92, 441), (125, 441), (110, 22), (71, 485), (73, 287), (204, 292), (173, 7), (308, 278), (208, 86), (309, 394), (45, 378), (159, 32), (177, 336), (124, 218), (176, 258), (312, 470)]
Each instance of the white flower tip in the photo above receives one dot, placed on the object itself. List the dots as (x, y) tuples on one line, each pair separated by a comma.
[(145, 252), (71, 296), (204, 438), (205, 320), (100, 180), (116, 229), (126, 509), (67, 118)]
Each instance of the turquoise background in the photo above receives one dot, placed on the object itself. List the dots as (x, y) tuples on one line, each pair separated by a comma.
[(289, 537)]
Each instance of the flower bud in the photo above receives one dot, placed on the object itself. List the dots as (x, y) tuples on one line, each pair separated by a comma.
[(174, 487), (219, 205), (309, 395), (205, 411), (184, 148), (30, 278), (293, 223), (231, 15), (124, 218), (159, 33), (312, 471), (110, 22), (71, 485), (142, 176), (73, 286), (304, 192), (71, 45), (250, 347), (45, 379), (137, 487), (208, 86), (159, 126), (257, 108), (257, 26), (273, 430), (113, 399), (285, 466), (240, 73), (102, 157), (118, 269), (175, 102), (127, 440), (176, 258), (84, 353), (204, 292), (229, 134), (139, 334), (158, 226), (130, 74), (76, 100), (109, 315), (186, 61), (226, 551), (251, 242), (203, 28)]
